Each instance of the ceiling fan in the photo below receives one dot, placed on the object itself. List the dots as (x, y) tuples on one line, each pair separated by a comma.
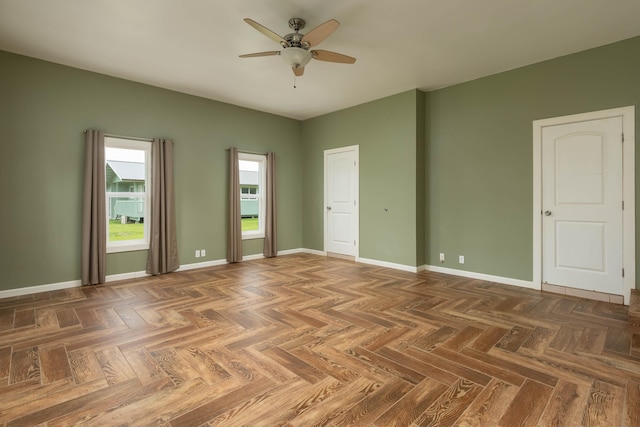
[(297, 50)]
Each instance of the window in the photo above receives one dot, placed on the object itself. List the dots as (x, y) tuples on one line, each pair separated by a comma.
[(127, 179), (252, 191)]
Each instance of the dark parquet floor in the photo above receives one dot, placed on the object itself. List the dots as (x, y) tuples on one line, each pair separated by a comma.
[(303, 340)]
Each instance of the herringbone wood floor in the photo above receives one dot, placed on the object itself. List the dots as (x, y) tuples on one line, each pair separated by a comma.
[(306, 340)]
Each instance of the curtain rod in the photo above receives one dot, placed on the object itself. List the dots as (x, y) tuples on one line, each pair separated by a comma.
[(135, 138), (249, 152)]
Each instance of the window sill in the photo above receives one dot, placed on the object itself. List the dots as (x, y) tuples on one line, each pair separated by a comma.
[(127, 248), (252, 236)]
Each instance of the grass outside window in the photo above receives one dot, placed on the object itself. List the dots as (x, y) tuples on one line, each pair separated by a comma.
[(135, 231), (249, 224), (119, 231)]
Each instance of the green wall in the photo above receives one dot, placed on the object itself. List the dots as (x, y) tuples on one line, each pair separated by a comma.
[(43, 109), (453, 166), (386, 131), (479, 155)]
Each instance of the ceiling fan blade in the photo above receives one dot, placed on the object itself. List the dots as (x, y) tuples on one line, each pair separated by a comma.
[(298, 71), (325, 55), (254, 55), (267, 32), (321, 32)]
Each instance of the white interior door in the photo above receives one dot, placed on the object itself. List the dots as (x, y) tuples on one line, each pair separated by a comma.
[(582, 211), (341, 201)]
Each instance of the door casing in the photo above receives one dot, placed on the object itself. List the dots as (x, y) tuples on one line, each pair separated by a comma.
[(628, 191)]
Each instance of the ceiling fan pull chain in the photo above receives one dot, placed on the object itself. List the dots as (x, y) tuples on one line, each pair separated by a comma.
[(294, 81)]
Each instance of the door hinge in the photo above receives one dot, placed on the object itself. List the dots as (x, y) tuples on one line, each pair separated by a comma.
[(354, 203), (623, 272), (623, 205), (623, 137), (354, 243)]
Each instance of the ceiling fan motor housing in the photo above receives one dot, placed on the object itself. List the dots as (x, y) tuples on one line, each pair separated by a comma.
[(295, 39)]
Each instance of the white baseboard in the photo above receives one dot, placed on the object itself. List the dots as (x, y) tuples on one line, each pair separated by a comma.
[(291, 251), (482, 276), (126, 276), (48, 287), (252, 257), (386, 264), (280, 253), (40, 288), (313, 252), (137, 274), (133, 275), (224, 261), (203, 264)]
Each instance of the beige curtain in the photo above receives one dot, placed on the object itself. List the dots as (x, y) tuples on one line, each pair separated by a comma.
[(163, 241), (94, 221), (270, 241), (234, 231)]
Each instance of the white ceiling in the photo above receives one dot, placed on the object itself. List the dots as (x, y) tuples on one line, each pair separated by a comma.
[(192, 46)]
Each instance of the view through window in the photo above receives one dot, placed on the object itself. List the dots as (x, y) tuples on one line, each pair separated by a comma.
[(252, 177), (126, 180)]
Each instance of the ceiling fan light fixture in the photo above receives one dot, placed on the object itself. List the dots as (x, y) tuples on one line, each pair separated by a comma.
[(296, 57)]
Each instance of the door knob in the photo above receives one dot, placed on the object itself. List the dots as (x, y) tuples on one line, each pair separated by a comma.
[(328, 208), (547, 213)]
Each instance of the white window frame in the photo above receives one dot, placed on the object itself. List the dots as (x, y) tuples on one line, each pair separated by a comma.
[(131, 144), (262, 176)]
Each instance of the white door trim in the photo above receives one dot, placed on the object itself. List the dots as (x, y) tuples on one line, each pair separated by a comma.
[(355, 148), (628, 190)]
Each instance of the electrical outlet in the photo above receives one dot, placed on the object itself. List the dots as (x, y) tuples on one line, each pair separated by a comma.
[(197, 253), (441, 257), (461, 259), (203, 252)]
